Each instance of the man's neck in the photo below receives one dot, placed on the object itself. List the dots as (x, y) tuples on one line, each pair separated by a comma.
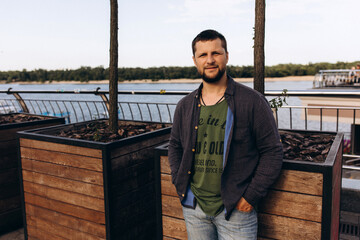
[(212, 92)]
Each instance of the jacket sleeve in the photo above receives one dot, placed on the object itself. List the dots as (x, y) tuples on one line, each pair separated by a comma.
[(270, 151), (175, 150)]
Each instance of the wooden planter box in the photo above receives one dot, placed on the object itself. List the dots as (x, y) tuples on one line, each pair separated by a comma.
[(304, 203), (10, 207), (77, 189)]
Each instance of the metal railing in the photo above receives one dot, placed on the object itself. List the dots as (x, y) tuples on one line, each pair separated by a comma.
[(321, 109), (81, 110), (77, 110)]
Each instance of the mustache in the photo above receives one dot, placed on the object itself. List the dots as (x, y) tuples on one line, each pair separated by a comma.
[(211, 66)]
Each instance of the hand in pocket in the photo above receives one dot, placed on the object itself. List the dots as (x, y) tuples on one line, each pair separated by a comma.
[(244, 206)]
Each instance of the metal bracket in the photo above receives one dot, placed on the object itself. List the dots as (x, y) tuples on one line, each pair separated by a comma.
[(103, 97), (20, 100)]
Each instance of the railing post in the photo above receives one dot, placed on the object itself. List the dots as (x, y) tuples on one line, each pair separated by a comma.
[(305, 118), (20, 100), (103, 97), (321, 118), (337, 120)]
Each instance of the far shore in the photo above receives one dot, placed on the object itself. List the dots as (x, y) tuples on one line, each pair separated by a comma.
[(270, 79)]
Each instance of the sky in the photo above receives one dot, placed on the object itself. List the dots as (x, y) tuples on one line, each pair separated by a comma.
[(68, 34)]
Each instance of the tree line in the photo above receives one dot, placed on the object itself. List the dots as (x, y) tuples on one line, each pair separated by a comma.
[(85, 74)]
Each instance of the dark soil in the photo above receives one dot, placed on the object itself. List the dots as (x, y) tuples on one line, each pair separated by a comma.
[(100, 132), (306, 146), (19, 118), (297, 146)]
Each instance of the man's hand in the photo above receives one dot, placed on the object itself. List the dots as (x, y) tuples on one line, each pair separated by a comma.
[(244, 206)]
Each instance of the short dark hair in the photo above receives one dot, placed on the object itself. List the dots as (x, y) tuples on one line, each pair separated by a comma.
[(208, 35)]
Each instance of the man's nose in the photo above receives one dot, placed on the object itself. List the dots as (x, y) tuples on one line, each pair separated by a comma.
[(210, 59)]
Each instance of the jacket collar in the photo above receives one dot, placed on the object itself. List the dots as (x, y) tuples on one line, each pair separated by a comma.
[(230, 86)]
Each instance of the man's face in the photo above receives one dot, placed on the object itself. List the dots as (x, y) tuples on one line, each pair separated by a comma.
[(210, 60)]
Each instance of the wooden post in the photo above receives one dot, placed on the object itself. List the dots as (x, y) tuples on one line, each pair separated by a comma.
[(113, 68), (259, 55)]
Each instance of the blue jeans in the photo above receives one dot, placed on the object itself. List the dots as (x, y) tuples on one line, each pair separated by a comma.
[(240, 226)]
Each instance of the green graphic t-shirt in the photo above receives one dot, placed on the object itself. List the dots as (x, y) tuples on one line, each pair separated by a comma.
[(208, 164)]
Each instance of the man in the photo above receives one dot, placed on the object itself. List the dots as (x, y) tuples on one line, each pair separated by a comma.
[(224, 149)]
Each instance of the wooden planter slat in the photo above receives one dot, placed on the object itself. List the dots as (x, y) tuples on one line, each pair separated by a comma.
[(127, 185), (67, 221), (65, 159), (174, 227), (135, 147), (278, 227), (167, 188), (65, 196), (111, 185), (164, 165), (77, 174), (64, 184), (302, 204), (7, 159), (57, 229), (171, 207), (8, 134), (167, 238), (9, 189), (35, 234), (124, 166), (56, 147), (8, 176), (304, 182), (10, 204), (8, 146), (69, 209)]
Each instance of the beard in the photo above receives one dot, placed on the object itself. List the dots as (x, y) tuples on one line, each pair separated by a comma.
[(215, 79)]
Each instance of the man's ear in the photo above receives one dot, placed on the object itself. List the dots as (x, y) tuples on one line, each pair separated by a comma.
[(193, 57), (227, 57)]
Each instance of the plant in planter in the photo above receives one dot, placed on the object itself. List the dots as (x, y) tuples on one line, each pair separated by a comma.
[(10, 124), (304, 203), (279, 101)]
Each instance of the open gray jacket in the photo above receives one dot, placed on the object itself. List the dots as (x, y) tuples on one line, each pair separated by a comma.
[(253, 151)]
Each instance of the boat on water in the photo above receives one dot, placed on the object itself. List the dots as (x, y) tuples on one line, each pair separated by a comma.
[(336, 95), (337, 78)]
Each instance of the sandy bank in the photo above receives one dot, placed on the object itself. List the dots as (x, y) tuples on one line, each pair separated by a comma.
[(271, 79)]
